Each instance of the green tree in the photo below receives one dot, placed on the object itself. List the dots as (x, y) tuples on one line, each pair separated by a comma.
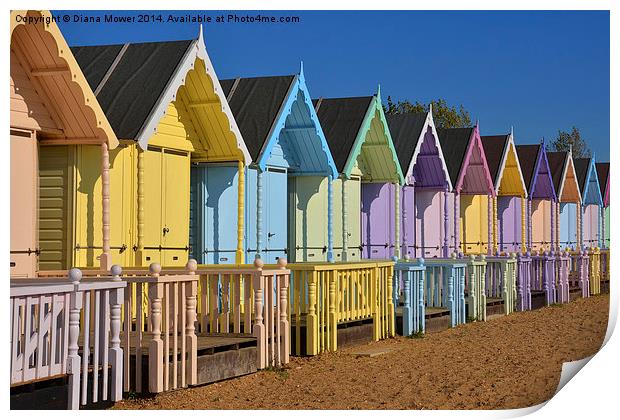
[(564, 141), (445, 116)]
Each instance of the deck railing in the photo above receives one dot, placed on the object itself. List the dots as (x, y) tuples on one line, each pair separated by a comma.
[(445, 286), (408, 290), (164, 309), (501, 280), (48, 340), (579, 272), (324, 295), (605, 264), (562, 269), (595, 270), (543, 275), (524, 281)]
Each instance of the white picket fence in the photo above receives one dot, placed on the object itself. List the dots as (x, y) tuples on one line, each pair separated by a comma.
[(68, 326)]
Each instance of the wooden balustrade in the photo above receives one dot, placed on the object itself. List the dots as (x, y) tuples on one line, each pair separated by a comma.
[(595, 270), (327, 294), (68, 326), (501, 280), (158, 327), (247, 299), (562, 268), (524, 282), (475, 279), (543, 275), (579, 271), (445, 286), (408, 292)]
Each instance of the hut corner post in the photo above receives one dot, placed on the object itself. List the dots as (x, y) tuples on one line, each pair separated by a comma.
[(446, 251), (405, 250), (330, 218), (529, 218), (140, 221), (105, 260), (601, 235), (552, 248), (457, 215), (259, 214), (345, 234), (240, 212), (396, 221), (490, 224), (524, 226)]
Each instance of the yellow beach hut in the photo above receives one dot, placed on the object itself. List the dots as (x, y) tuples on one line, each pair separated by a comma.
[(165, 103), (53, 112)]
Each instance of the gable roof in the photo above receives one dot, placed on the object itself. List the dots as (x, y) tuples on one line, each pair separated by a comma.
[(255, 103), (528, 158), (341, 120), (278, 110), (587, 176), (494, 147), (533, 162), (454, 143), (138, 84), (582, 167), (602, 171), (38, 45), (557, 162), (406, 130), (129, 79)]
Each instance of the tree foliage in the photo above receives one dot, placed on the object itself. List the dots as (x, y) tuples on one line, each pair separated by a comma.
[(564, 141), (444, 115)]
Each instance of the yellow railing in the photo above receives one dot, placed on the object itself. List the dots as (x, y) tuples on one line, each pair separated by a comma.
[(328, 294)]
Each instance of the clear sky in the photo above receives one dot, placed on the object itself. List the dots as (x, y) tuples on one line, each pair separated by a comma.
[(538, 71)]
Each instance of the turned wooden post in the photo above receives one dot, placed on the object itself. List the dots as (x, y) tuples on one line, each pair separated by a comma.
[(259, 214), (191, 341), (397, 253), (258, 329), (116, 352), (239, 254), (139, 257), (446, 249), (155, 342), (73, 358), (345, 221), (312, 322), (390, 302), (285, 339), (105, 260), (457, 215), (330, 218)]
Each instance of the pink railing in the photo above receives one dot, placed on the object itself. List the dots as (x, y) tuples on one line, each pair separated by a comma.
[(579, 272), (562, 269), (65, 326)]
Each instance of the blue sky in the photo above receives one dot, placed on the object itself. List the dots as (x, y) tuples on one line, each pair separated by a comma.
[(538, 71)]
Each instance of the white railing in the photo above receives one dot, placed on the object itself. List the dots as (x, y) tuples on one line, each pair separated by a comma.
[(47, 341)]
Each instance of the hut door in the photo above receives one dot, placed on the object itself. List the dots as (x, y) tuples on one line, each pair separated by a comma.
[(509, 223), (275, 215), (474, 223), (354, 200), (590, 225), (24, 185), (568, 225), (175, 206), (429, 221), (376, 220), (220, 220), (153, 203)]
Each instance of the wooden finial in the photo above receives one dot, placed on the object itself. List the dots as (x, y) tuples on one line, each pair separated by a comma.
[(191, 266), (116, 271), (155, 269), (75, 275), (282, 262)]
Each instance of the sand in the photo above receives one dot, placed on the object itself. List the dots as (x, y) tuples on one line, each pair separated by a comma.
[(508, 362)]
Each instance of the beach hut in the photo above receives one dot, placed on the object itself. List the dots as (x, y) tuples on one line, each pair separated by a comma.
[(426, 217), (591, 202), (165, 103), (53, 111), (602, 171), (541, 210), (473, 188), (509, 201), (287, 187), (369, 173), (568, 196)]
